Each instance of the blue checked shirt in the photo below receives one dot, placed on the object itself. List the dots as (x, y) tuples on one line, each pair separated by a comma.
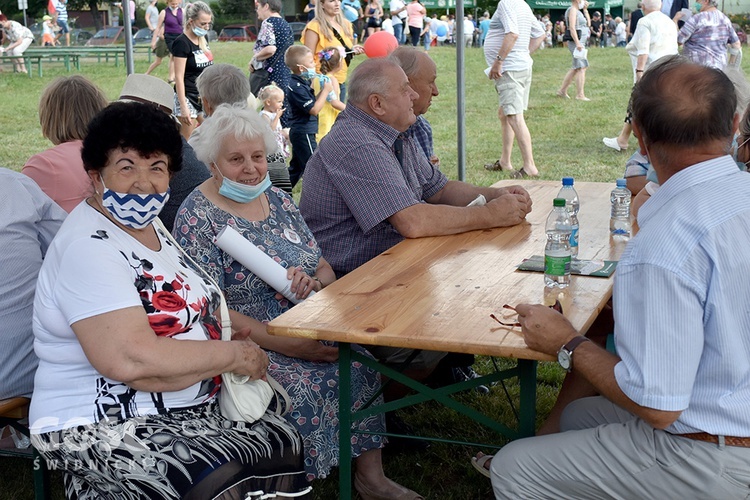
[(354, 183), (682, 301), (421, 132)]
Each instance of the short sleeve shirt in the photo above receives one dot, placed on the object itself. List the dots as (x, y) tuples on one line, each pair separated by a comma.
[(301, 101), (93, 267), (197, 61), (354, 183), (706, 36)]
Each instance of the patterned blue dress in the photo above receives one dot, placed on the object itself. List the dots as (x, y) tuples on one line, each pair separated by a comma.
[(276, 31), (312, 386)]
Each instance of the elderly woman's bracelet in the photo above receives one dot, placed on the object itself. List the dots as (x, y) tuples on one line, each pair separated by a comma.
[(318, 280)]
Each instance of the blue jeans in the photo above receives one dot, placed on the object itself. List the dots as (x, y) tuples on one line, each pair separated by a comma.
[(398, 32)]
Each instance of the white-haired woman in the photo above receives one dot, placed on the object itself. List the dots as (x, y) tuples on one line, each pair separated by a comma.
[(331, 29), (234, 143), (191, 57)]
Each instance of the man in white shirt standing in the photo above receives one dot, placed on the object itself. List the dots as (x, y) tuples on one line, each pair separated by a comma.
[(514, 34), (654, 38), (398, 19)]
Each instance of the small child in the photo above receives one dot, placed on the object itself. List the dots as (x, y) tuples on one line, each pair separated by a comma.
[(304, 107), (272, 98), (330, 62), (48, 31)]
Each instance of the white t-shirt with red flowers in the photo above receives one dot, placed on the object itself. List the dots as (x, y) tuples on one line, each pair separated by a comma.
[(91, 268)]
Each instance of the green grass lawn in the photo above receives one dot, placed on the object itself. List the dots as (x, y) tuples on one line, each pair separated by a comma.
[(567, 137)]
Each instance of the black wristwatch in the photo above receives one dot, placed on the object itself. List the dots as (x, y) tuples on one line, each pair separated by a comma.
[(565, 354)]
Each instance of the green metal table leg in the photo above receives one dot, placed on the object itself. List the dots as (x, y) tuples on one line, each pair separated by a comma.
[(41, 478), (345, 421), (527, 385)]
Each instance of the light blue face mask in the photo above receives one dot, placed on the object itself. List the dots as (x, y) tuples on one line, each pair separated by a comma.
[(242, 193), (308, 73), (199, 31)]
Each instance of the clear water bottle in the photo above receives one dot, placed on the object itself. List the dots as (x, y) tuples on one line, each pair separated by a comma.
[(619, 222), (557, 251), (21, 441), (568, 192)]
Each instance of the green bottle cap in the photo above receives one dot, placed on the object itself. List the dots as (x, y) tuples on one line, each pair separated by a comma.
[(558, 202)]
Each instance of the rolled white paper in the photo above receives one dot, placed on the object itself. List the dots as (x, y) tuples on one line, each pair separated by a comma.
[(257, 261)]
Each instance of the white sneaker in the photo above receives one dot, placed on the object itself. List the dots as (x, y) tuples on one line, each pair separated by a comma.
[(611, 142)]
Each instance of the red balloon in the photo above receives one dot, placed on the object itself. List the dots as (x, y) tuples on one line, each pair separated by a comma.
[(380, 44)]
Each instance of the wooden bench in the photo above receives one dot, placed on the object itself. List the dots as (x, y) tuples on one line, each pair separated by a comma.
[(12, 412)]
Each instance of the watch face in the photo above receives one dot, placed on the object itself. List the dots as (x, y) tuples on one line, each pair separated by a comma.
[(563, 358)]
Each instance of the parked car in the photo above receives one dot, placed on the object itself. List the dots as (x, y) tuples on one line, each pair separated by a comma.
[(212, 36), (109, 35), (143, 36), (79, 36), (238, 33), (297, 29)]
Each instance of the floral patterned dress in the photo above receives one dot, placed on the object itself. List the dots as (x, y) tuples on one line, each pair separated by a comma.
[(312, 386)]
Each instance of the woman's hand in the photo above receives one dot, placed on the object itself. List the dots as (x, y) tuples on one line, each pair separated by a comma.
[(358, 49), (579, 46), (185, 116), (251, 360), (302, 284), (314, 350)]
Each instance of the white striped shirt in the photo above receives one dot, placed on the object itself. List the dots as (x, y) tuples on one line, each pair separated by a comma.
[(512, 16), (682, 301)]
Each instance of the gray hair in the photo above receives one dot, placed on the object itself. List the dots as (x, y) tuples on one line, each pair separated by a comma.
[(369, 78), (273, 5), (652, 4), (223, 84), (236, 120), (408, 59)]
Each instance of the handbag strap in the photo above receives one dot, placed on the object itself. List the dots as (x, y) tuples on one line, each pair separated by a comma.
[(226, 323), (283, 402), (349, 54)]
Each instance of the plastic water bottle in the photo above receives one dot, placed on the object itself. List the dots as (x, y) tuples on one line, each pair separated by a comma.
[(572, 204), (619, 222), (557, 251), (21, 441)]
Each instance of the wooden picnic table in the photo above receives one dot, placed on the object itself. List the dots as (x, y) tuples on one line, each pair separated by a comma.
[(437, 293)]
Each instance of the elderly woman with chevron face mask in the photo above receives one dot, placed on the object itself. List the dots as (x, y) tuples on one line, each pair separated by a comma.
[(127, 334)]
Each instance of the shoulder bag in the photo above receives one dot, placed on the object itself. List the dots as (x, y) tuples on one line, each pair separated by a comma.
[(240, 399)]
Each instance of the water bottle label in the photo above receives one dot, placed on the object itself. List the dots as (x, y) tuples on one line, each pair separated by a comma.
[(556, 266), (574, 237)]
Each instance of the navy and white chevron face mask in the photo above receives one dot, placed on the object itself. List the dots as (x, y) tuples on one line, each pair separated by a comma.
[(133, 210)]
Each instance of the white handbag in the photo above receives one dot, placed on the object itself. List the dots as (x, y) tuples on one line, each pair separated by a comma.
[(240, 399)]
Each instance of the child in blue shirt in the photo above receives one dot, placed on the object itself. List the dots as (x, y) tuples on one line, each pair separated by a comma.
[(304, 107)]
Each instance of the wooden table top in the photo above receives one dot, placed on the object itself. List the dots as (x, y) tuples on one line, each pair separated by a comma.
[(438, 292)]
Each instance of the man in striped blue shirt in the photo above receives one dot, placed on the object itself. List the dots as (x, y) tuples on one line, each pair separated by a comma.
[(673, 418), (61, 12)]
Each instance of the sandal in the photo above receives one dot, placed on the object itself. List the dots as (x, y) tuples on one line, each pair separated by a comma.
[(170, 82), (519, 174), (497, 167), (479, 464)]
